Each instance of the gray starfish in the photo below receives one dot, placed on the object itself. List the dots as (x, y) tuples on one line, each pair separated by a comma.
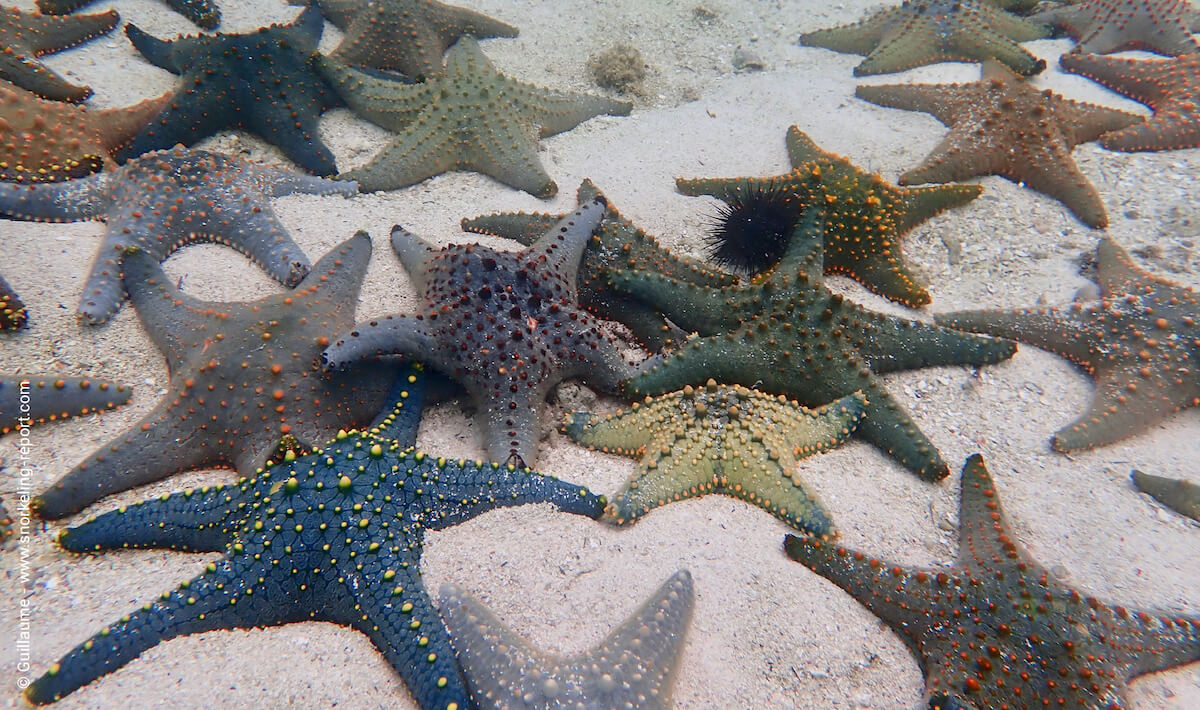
[(632, 668)]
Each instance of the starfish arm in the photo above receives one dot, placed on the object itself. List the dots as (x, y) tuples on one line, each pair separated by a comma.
[(55, 398), (61, 7), (943, 701), (13, 314), (33, 75), (469, 22), (388, 103), (898, 344), (338, 276), (891, 428), (415, 256), (985, 540), (67, 201), (600, 363), (958, 157), (562, 246), (118, 126), (294, 133), (188, 119), (1117, 273), (1164, 640), (935, 99), (1116, 73), (912, 44), (1013, 26), (510, 432), (278, 182), (993, 43), (420, 153), (627, 432), (1125, 403), (257, 234), (721, 358), (1181, 496), (504, 148), (304, 33), (172, 318), (922, 203), (211, 601), (556, 111), (1082, 122), (1058, 330), (473, 488), (51, 33), (390, 335), (340, 12), (204, 13), (858, 38), (521, 227), (191, 521), (801, 149), (401, 422), (159, 52), (696, 308)]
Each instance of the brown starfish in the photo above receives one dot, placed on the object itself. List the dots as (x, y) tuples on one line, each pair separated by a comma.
[(25, 36), (1140, 342), (1002, 125), (1170, 87), (12, 310), (47, 141), (1104, 26), (997, 630)]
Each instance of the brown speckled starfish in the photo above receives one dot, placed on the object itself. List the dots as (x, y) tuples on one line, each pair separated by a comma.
[(1104, 26), (505, 325), (25, 36), (1141, 343), (998, 630), (202, 12), (242, 377), (1001, 125)]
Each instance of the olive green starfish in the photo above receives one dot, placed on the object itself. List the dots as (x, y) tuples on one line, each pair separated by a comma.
[(25, 36), (788, 334), (866, 217), (616, 244), (720, 439), (472, 118), (1181, 496), (1141, 343), (920, 32)]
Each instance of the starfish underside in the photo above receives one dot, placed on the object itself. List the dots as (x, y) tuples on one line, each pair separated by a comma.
[(51, 399), (1001, 125), (25, 36), (243, 376), (998, 630), (334, 536), (720, 439), (165, 200), (470, 118), (788, 334), (920, 32), (866, 217), (203, 13), (1140, 342), (633, 667), (1105, 26)]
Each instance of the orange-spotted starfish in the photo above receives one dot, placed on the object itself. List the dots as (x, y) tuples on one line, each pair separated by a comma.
[(25, 36)]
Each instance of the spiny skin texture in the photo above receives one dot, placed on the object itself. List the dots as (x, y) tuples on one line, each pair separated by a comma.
[(866, 217), (1170, 87), (720, 439), (1001, 125), (50, 399), (13, 315), (1140, 342), (616, 244), (261, 82), (335, 536), (634, 667), (25, 36), (203, 13), (408, 36), (1183, 497), (1105, 26), (504, 325), (48, 141), (920, 32), (786, 333), (998, 630), (470, 118), (243, 375), (165, 200)]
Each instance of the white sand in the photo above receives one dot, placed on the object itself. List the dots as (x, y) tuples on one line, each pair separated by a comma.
[(767, 632)]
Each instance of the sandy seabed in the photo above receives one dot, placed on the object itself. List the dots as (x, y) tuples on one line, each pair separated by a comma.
[(766, 631)]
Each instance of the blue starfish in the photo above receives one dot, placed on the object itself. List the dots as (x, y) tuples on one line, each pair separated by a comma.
[(333, 536)]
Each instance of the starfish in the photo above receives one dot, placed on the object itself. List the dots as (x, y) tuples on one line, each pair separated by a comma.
[(261, 82), (998, 630), (720, 439), (165, 200), (33, 400), (920, 32), (617, 244), (13, 315), (334, 536), (504, 325), (47, 141), (633, 667), (1104, 26), (1183, 497), (1001, 125), (867, 217), (25, 36), (1140, 342), (242, 377), (471, 118), (408, 36), (1170, 87), (201, 12), (786, 333)]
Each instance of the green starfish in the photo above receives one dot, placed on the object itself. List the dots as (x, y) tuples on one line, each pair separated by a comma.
[(866, 217), (616, 244), (920, 32), (25, 36), (997, 630), (1141, 343), (471, 118), (408, 36), (633, 667), (720, 439), (1181, 496), (788, 334)]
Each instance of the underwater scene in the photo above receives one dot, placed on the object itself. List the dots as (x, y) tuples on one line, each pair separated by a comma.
[(600, 354)]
